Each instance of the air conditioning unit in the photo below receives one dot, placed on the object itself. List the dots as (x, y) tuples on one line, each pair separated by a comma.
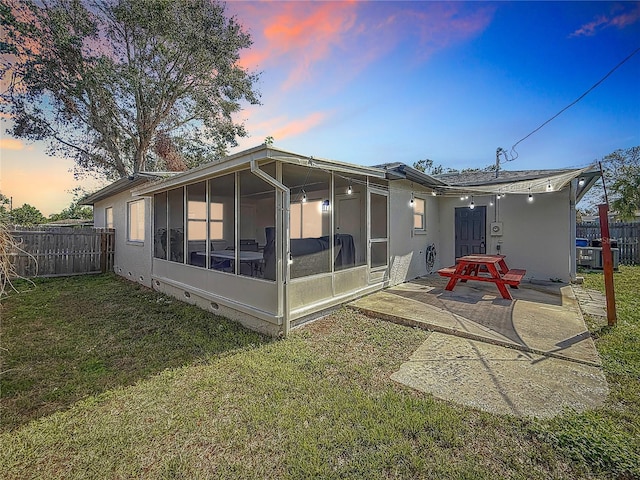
[(591, 257), (496, 229)]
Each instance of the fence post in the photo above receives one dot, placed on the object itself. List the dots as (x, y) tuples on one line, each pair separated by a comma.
[(607, 260), (103, 252)]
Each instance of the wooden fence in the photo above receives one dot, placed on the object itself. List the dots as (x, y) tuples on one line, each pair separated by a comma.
[(627, 234), (45, 252)]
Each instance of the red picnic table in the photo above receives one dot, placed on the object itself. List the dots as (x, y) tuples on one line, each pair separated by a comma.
[(484, 268)]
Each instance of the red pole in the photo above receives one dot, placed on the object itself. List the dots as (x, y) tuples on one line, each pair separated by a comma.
[(607, 260)]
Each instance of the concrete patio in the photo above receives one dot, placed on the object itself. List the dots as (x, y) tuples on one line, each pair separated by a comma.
[(532, 356)]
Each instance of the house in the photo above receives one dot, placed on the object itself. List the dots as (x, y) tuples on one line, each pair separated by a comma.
[(271, 238)]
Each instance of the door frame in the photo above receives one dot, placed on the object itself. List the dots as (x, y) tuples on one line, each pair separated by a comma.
[(380, 272), (483, 241)]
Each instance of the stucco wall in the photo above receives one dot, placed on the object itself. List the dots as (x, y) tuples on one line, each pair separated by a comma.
[(132, 259), (407, 248), (536, 236)]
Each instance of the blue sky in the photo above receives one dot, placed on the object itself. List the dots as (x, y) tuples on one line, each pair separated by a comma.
[(374, 82)]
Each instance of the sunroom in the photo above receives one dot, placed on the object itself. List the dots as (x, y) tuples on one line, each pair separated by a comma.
[(270, 238)]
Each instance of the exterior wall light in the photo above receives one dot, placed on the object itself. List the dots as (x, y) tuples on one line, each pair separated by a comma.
[(325, 206)]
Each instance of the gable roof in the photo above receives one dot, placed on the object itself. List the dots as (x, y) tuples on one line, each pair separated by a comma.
[(261, 154), (122, 185), (521, 181), (477, 178)]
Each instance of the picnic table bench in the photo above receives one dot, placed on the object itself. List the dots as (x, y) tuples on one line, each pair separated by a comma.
[(484, 268)]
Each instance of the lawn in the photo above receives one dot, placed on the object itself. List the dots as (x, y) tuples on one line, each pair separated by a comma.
[(106, 379)]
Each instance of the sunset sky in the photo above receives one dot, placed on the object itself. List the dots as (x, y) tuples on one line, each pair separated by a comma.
[(375, 82)]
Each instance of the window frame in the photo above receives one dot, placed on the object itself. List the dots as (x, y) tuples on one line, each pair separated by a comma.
[(130, 238), (422, 215), (108, 222)]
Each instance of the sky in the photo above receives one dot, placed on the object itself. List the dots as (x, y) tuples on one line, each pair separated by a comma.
[(375, 82)]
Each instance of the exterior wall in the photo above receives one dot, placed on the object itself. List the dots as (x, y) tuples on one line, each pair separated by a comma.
[(407, 247), (253, 303), (310, 295), (132, 259), (536, 236)]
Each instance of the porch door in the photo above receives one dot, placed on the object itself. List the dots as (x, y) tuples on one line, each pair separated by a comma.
[(470, 227), (378, 230)]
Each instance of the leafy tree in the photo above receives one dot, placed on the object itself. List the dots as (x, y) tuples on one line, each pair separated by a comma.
[(622, 178), (4, 211), (622, 174), (26, 215), (427, 166), (74, 210), (124, 85), (430, 168)]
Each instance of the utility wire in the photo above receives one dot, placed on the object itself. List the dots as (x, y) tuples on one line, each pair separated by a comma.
[(575, 101)]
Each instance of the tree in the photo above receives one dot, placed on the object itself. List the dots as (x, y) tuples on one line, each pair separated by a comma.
[(427, 166), (26, 215), (73, 212), (4, 211), (622, 174), (105, 81), (622, 178)]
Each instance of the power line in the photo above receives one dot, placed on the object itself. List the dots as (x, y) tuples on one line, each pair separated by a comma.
[(574, 102)]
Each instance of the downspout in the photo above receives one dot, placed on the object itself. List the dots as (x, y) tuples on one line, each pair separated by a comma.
[(282, 276)]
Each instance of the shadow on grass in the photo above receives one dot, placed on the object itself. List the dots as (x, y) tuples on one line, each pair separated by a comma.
[(67, 338)]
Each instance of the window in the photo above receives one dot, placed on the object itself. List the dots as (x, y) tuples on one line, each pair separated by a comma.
[(222, 197), (175, 238), (160, 225), (306, 219), (310, 226), (418, 214), (108, 217), (257, 214), (197, 223), (135, 221)]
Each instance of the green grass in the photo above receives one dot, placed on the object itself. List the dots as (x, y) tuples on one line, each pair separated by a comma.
[(608, 439), (149, 387), (64, 339)]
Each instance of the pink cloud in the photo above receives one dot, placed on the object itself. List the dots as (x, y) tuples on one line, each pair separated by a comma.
[(297, 34), (619, 21), (298, 37), (298, 126)]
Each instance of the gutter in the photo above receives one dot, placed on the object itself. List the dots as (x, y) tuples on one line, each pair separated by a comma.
[(283, 274)]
